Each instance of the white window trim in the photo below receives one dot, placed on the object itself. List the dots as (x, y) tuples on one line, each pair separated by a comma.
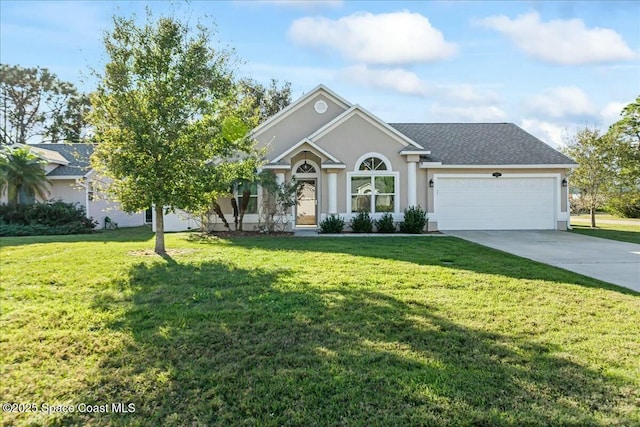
[(258, 198), (372, 154), (388, 172)]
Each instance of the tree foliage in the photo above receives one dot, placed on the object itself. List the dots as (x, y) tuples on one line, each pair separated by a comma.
[(34, 103), (625, 136), (262, 102), (594, 175), (21, 171), (166, 119)]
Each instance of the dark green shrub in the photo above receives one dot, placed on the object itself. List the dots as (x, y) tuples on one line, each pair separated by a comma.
[(385, 224), (625, 205), (332, 224), (53, 217), (415, 219), (361, 223)]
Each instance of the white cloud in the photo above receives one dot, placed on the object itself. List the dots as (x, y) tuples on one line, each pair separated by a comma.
[(395, 79), (550, 133), (566, 42), (611, 112), (563, 101), (387, 38), (489, 113), (409, 83)]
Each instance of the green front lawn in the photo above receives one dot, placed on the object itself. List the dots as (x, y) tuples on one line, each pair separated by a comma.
[(622, 232), (311, 331)]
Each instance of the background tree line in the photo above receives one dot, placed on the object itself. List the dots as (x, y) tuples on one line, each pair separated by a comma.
[(608, 172)]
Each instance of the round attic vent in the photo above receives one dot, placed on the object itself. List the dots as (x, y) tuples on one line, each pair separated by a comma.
[(320, 107)]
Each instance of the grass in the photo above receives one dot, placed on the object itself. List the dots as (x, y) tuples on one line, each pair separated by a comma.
[(622, 232), (294, 331)]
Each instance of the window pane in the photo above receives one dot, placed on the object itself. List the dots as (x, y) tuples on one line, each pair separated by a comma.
[(361, 203), (378, 164), (385, 184), (360, 185), (384, 203), (366, 165), (252, 207)]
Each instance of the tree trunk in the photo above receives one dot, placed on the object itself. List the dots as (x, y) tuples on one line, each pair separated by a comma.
[(159, 231), (592, 211), (246, 197)]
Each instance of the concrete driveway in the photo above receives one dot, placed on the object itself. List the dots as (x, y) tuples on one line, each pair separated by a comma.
[(608, 260)]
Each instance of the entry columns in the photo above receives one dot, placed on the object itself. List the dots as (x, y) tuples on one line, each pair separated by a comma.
[(411, 184), (332, 181)]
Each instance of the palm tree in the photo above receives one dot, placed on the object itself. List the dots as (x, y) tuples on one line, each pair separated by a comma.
[(21, 171)]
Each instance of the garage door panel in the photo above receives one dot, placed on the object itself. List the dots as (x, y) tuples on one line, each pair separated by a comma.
[(495, 203)]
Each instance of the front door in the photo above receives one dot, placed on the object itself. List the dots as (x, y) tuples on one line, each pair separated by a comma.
[(307, 205)]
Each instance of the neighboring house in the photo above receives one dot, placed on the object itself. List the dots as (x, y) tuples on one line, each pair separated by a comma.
[(72, 180), (475, 176)]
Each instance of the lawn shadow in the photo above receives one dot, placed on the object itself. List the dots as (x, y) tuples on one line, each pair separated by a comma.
[(449, 252), (215, 344)]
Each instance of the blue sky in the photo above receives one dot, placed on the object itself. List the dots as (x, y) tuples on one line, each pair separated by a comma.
[(547, 66)]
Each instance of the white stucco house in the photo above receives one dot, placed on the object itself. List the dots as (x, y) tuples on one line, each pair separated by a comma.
[(72, 180), (467, 176)]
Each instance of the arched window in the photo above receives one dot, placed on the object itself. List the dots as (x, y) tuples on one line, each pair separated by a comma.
[(306, 168), (373, 164), (373, 185)]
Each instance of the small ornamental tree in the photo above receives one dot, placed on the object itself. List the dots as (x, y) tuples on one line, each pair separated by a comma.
[(166, 122)]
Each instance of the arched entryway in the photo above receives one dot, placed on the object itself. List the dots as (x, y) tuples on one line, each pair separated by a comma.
[(306, 173)]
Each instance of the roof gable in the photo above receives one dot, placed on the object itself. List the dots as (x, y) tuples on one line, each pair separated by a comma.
[(294, 106), (401, 138), (77, 156)]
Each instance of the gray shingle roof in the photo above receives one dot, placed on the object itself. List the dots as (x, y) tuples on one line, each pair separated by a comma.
[(481, 144), (77, 155)]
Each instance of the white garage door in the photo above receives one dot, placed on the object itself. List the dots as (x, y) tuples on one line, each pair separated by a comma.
[(502, 203)]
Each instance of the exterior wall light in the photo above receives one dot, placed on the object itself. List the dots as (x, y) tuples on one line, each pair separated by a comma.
[(497, 174), (431, 183), (564, 182)]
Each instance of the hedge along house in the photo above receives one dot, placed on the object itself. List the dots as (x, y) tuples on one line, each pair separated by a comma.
[(472, 176), (72, 180)]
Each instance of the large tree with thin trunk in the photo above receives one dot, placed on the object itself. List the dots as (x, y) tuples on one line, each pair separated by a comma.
[(37, 105), (21, 171), (625, 136), (165, 119), (594, 175)]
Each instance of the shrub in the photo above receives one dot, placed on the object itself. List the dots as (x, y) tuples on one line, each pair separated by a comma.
[(625, 205), (385, 224), (415, 219), (53, 217), (361, 223), (332, 224)]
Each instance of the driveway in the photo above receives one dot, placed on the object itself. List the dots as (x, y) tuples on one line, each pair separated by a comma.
[(607, 260)]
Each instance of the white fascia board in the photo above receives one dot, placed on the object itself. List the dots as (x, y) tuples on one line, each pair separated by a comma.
[(548, 166), (357, 109), (409, 152), (63, 177), (430, 164), (313, 145), (291, 108), (272, 166)]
